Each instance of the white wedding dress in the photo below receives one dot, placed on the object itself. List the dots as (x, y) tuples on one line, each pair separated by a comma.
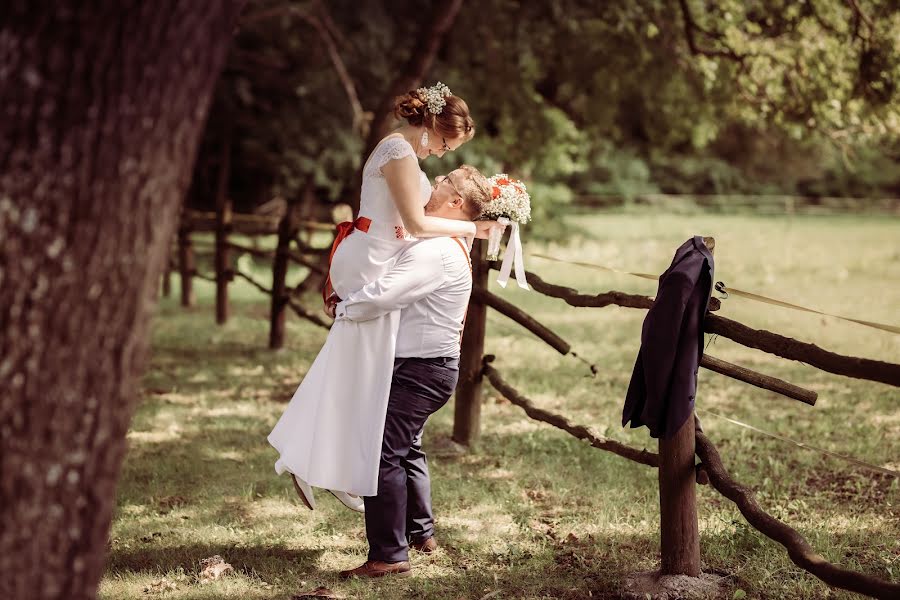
[(330, 434)]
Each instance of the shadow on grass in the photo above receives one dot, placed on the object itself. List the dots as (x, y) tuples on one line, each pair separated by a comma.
[(264, 562)]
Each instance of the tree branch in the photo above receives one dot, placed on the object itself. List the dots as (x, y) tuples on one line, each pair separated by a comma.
[(690, 26), (854, 5), (423, 53), (360, 117)]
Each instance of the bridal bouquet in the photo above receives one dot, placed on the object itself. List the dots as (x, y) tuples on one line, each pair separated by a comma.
[(511, 205)]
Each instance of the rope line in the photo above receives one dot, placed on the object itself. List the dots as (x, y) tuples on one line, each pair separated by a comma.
[(844, 457), (721, 287)]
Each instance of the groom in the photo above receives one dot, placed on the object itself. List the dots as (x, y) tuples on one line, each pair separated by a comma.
[(431, 284)]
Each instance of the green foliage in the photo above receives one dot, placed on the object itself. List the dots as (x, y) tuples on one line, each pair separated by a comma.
[(615, 98)]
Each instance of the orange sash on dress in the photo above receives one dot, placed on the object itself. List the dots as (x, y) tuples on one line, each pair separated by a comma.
[(343, 230)]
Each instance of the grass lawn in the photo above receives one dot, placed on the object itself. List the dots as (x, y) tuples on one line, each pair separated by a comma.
[(531, 512)]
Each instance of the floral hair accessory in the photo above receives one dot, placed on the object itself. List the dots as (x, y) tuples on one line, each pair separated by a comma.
[(434, 97), (511, 205)]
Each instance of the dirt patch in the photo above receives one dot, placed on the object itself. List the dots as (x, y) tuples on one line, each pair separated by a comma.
[(649, 585), (866, 487)]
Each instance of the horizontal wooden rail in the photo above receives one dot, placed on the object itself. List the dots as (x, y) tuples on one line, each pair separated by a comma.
[(257, 252), (766, 382), (575, 298), (760, 339), (305, 262), (307, 249), (799, 550), (301, 312), (291, 254), (253, 282), (522, 318), (785, 347), (247, 224), (714, 364), (581, 432)]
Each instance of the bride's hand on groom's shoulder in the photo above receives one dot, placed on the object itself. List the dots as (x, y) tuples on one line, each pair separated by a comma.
[(483, 228)]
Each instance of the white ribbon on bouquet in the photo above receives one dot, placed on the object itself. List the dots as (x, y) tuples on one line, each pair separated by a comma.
[(513, 257)]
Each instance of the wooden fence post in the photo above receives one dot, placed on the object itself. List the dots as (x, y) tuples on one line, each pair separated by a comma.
[(679, 531), (223, 228), (186, 264), (287, 228), (467, 409), (223, 270), (678, 527)]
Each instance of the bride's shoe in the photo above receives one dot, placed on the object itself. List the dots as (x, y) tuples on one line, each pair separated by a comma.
[(350, 501), (304, 491)]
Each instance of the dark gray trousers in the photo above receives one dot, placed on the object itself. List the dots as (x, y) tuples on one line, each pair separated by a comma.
[(401, 512)]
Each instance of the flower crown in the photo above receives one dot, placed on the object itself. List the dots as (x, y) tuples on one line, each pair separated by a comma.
[(434, 97)]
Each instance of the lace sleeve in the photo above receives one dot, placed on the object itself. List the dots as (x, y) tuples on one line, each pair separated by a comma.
[(390, 149)]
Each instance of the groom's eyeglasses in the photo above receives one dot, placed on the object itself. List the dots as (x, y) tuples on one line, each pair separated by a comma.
[(446, 146), (453, 185)]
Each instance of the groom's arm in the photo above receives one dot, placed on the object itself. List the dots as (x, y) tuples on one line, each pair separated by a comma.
[(418, 272)]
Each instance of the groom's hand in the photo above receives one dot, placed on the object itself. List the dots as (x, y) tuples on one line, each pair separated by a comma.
[(331, 304)]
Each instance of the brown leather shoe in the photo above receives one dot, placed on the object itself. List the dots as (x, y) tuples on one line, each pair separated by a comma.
[(377, 568), (425, 546)]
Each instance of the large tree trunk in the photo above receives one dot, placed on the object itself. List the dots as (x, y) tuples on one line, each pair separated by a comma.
[(103, 105)]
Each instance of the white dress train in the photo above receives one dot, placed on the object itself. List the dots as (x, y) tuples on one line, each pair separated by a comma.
[(330, 433)]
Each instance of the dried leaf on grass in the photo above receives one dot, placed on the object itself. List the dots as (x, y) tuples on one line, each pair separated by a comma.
[(214, 568), (319, 592), (160, 586), (151, 536), (168, 503)]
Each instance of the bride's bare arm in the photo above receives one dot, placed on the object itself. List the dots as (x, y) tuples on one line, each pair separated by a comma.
[(402, 177)]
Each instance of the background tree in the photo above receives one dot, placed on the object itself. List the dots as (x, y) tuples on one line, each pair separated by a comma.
[(104, 103), (583, 98)]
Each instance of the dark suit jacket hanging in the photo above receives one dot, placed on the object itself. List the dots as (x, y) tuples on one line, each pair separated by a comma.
[(664, 381)]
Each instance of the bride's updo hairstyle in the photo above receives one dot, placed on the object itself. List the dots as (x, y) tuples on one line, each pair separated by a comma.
[(452, 122)]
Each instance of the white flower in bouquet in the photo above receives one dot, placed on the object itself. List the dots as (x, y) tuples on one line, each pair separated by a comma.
[(510, 200), (510, 205)]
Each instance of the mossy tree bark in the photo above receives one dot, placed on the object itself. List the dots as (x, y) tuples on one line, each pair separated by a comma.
[(103, 106)]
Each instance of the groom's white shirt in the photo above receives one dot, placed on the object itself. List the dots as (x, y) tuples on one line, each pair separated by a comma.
[(430, 284)]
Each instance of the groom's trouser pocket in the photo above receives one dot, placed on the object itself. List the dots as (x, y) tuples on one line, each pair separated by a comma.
[(430, 380)]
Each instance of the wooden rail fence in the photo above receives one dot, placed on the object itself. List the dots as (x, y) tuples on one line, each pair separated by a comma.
[(290, 248), (678, 473)]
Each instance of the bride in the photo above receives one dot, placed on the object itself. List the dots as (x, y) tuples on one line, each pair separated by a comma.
[(330, 433)]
